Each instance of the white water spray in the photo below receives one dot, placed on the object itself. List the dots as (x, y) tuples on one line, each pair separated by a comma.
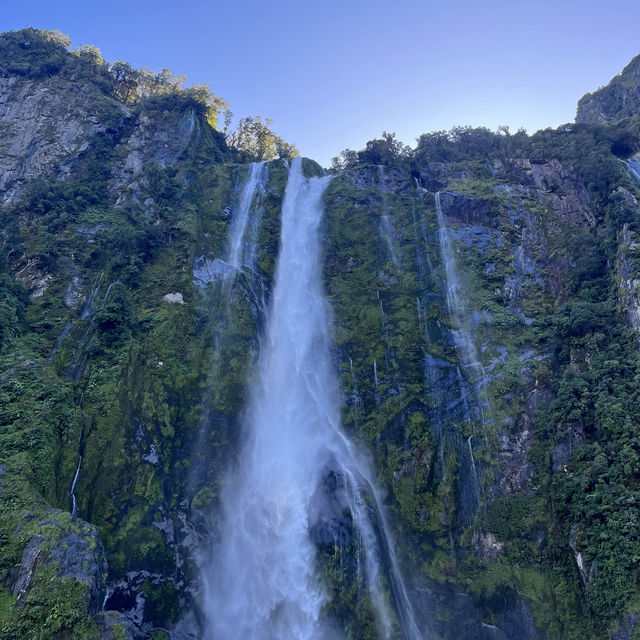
[(240, 252), (263, 582)]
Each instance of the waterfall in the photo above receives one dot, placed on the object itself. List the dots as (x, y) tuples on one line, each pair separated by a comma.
[(386, 226), (455, 302), (263, 582), (79, 358), (468, 357), (240, 251), (461, 336), (240, 256), (354, 384), (72, 491), (60, 340), (633, 166), (386, 233)]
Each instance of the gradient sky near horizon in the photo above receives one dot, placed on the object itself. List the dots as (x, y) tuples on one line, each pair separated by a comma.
[(335, 74)]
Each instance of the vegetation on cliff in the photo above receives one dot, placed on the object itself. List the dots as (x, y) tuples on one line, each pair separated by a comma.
[(122, 379)]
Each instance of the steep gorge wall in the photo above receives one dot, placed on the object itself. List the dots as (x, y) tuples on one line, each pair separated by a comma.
[(124, 376)]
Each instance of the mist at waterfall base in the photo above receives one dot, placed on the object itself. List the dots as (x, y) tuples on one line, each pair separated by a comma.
[(263, 581)]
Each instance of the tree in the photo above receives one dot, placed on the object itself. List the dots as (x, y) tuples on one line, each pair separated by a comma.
[(125, 81), (254, 137), (213, 104), (89, 53), (383, 150)]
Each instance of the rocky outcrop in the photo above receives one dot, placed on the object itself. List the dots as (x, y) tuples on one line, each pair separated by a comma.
[(628, 261), (73, 548), (486, 545), (568, 197), (159, 136), (44, 126), (619, 99), (459, 207), (114, 625), (380, 178)]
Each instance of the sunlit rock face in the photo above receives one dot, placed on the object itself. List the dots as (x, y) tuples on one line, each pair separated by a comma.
[(619, 99)]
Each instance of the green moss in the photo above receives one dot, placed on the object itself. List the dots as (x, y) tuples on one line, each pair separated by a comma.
[(54, 607), (161, 604), (203, 498), (119, 632)]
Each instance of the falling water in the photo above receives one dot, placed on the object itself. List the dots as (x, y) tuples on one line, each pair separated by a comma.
[(464, 345), (79, 358), (240, 252), (240, 256), (473, 462), (60, 340), (633, 166), (386, 226), (385, 334), (263, 581), (386, 233), (381, 312), (463, 340), (72, 491)]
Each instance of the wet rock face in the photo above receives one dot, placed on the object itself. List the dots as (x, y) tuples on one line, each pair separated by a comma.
[(463, 208), (22, 574), (207, 270), (486, 545), (330, 515), (73, 292), (81, 557), (516, 471), (561, 453), (454, 614), (74, 547)]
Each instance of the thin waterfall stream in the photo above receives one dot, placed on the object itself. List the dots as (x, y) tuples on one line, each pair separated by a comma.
[(263, 582), (465, 346), (633, 165), (241, 252), (455, 301)]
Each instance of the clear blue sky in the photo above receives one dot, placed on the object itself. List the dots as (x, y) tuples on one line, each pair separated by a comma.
[(337, 73)]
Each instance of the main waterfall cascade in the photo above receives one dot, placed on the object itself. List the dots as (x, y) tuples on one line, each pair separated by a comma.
[(263, 582)]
